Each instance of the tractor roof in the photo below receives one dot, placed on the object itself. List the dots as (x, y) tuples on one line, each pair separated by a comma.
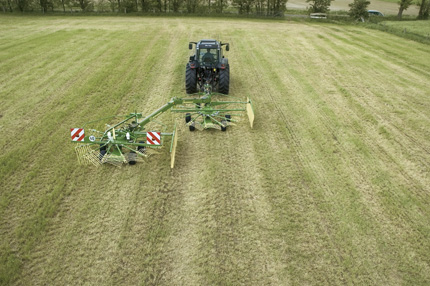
[(208, 44)]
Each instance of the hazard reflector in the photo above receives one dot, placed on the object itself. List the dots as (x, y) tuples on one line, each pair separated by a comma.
[(153, 138), (78, 134)]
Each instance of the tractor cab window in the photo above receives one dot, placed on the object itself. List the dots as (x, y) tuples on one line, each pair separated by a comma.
[(208, 56)]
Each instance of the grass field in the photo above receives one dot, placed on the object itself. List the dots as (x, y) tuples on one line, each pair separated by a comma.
[(331, 187), (421, 28)]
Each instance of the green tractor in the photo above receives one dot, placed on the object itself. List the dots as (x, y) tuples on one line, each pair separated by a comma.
[(208, 66)]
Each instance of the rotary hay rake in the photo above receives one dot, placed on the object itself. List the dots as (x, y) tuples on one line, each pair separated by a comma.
[(130, 141)]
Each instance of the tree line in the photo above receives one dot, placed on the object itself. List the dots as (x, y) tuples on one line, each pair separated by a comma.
[(259, 7), (358, 8)]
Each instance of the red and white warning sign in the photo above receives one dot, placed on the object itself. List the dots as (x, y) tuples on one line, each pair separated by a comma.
[(78, 134), (153, 138)]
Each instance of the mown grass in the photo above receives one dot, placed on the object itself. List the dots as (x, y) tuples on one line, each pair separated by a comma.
[(421, 28), (330, 188)]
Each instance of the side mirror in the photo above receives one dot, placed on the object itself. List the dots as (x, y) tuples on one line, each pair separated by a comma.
[(227, 48), (190, 46)]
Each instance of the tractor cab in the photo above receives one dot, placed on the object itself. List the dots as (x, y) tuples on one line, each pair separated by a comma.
[(208, 52), (208, 57)]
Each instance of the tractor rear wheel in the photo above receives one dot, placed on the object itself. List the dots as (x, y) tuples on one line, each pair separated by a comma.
[(224, 80), (190, 80)]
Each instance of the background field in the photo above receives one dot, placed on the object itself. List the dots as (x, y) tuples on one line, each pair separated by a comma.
[(331, 187), (420, 28), (388, 7)]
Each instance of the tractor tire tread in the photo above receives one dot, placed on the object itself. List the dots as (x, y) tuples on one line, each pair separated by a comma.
[(224, 80), (190, 80)]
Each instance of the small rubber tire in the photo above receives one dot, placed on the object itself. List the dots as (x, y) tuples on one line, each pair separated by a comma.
[(228, 117), (187, 117), (141, 148), (102, 154), (192, 128), (223, 129), (132, 162)]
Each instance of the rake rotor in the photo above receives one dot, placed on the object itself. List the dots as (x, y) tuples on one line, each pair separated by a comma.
[(124, 142), (129, 141)]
